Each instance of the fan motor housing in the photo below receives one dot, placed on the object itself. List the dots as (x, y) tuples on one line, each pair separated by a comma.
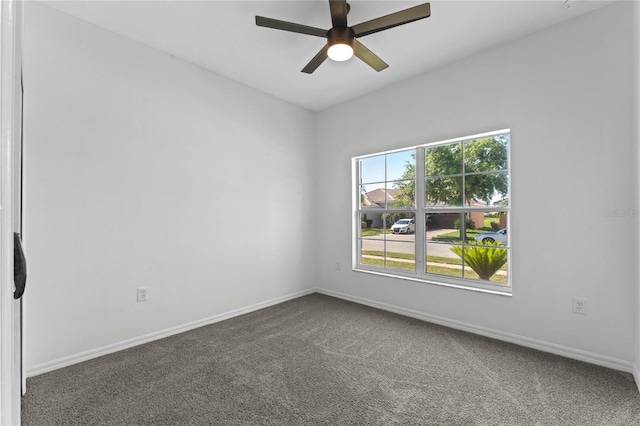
[(340, 35)]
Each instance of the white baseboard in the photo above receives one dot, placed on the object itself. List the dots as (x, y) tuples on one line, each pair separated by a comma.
[(568, 352), (66, 361)]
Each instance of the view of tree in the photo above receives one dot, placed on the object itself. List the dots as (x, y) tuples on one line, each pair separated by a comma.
[(408, 186), (485, 155), (444, 169)]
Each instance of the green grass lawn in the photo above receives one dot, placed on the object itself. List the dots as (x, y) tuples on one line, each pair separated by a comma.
[(488, 220), (371, 232), (434, 269), (380, 253), (390, 264), (411, 256)]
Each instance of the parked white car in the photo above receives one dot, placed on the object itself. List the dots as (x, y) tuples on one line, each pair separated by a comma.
[(491, 237), (404, 226)]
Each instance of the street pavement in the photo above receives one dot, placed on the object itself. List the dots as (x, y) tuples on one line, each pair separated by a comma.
[(403, 243)]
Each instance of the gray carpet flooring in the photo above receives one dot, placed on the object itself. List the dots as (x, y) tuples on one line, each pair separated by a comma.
[(318, 360)]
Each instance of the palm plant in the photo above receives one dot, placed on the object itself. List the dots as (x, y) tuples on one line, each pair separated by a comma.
[(485, 259)]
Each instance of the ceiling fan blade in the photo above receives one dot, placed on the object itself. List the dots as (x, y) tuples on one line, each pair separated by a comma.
[(261, 21), (393, 20), (339, 10), (316, 61), (368, 57)]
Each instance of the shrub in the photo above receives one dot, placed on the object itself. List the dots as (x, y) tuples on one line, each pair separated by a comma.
[(484, 258), (495, 226), (363, 224)]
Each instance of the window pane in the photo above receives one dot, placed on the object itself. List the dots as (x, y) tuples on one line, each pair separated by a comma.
[(372, 224), (443, 191), (487, 225), (385, 250), (441, 260), (373, 196), (402, 224), (401, 243), (372, 169), (373, 246), (444, 160), (441, 223), (447, 228), (401, 193), (401, 165), (401, 255), (487, 188), (494, 221), (486, 262), (366, 224), (441, 236), (486, 154), (497, 234), (372, 251)]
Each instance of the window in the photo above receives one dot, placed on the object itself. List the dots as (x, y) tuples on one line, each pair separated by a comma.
[(461, 190)]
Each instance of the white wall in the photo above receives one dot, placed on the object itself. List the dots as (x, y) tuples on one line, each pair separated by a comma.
[(565, 93), (636, 48), (143, 170)]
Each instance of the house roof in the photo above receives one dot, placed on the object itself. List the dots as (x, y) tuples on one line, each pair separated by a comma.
[(377, 197)]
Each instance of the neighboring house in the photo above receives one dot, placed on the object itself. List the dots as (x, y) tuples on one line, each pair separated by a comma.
[(478, 217), (446, 220), (376, 199)]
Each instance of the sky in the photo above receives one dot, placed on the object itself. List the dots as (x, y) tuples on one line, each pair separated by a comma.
[(373, 168)]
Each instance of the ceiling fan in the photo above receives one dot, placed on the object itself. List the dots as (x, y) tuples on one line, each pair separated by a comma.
[(341, 39)]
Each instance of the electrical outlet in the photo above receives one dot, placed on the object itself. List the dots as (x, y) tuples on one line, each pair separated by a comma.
[(143, 293), (579, 306), (337, 266)]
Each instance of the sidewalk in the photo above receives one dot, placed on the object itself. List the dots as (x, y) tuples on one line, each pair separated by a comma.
[(444, 265)]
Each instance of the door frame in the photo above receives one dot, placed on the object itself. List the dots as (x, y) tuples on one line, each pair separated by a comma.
[(10, 313)]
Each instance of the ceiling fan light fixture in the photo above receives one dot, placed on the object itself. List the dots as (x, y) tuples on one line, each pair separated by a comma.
[(342, 41), (340, 52)]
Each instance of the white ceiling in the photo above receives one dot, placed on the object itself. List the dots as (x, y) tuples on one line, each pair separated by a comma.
[(222, 36)]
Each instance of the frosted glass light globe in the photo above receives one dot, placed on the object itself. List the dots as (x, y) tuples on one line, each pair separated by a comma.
[(340, 52)]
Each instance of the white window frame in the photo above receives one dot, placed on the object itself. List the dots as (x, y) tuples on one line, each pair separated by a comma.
[(420, 210)]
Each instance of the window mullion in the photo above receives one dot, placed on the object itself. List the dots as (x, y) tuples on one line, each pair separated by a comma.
[(421, 230)]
